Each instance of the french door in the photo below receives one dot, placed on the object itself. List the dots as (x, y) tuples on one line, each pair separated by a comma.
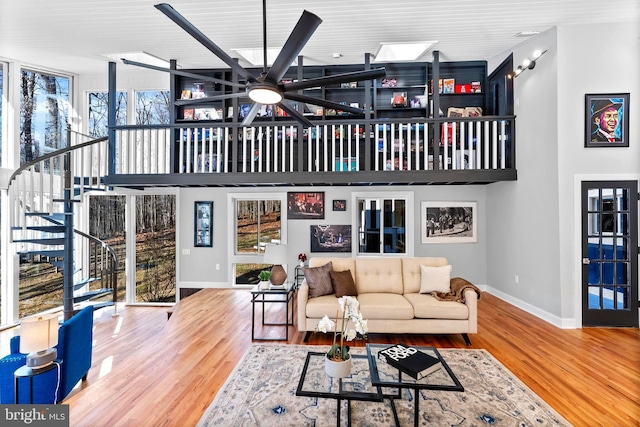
[(610, 253)]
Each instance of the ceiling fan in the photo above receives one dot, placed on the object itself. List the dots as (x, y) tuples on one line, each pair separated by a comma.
[(268, 87)]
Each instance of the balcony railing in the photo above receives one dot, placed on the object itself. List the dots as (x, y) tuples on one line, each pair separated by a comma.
[(480, 144)]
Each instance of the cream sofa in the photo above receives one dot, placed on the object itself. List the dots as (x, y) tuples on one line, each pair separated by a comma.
[(388, 293)]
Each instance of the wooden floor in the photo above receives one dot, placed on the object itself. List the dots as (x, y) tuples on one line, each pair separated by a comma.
[(148, 371)]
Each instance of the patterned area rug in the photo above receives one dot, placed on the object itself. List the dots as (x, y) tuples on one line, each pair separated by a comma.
[(261, 391)]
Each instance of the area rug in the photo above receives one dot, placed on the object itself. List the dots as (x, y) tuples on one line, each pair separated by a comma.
[(261, 391)]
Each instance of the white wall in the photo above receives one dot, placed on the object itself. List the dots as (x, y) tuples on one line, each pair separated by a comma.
[(533, 224), (198, 268), (602, 61)]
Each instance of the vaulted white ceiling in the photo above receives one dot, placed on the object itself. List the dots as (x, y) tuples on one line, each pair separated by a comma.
[(73, 35)]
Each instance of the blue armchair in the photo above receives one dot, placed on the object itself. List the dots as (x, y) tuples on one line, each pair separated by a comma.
[(75, 344)]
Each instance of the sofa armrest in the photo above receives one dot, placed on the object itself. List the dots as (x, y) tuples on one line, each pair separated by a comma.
[(471, 301), (303, 296)]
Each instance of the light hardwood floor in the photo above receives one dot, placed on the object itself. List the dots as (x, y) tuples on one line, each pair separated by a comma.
[(148, 371)]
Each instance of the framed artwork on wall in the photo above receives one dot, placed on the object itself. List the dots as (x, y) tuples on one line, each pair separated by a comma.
[(448, 222), (330, 238), (203, 221), (340, 205), (305, 205), (607, 120)]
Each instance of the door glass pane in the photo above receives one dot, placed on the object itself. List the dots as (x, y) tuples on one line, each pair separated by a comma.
[(607, 248), (623, 199), (622, 298), (394, 226), (622, 224), (622, 249), (594, 224), (369, 226), (622, 269), (594, 273), (156, 248), (607, 273), (594, 297)]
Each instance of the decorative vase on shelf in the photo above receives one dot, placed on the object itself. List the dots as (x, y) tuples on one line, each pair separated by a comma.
[(337, 369), (301, 264), (264, 284)]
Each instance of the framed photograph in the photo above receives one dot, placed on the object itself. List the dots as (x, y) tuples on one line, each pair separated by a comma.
[(203, 220), (448, 222), (607, 120), (330, 238), (305, 205), (340, 205)]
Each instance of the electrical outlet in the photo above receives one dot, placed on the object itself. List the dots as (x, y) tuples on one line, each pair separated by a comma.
[(516, 279), (217, 266), (186, 252)]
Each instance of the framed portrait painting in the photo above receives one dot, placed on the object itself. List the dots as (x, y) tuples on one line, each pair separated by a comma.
[(448, 222), (203, 220), (607, 120)]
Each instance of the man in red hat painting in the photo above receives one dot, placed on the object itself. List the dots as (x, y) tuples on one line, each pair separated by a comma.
[(605, 116)]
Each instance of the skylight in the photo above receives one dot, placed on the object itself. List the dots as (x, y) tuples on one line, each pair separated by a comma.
[(408, 51), (140, 56), (255, 56)]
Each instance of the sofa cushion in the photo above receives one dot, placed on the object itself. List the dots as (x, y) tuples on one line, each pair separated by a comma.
[(435, 279), (427, 307), (318, 307), (379, 275), (319, 280), (385, 306), (343, 283), (412, 273), (339, 264)]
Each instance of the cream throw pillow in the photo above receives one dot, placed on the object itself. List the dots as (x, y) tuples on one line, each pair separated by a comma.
[(435, 279)]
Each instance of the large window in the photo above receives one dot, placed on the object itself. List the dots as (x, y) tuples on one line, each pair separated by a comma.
[(2, 92), (152, 107), (44, 114), (383, 225), (98, 112), (258, 222)]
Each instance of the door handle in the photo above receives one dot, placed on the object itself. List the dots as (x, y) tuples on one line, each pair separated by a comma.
[(586, 261)]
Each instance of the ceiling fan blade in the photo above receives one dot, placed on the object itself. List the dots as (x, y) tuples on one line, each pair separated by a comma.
[(204, 40), (336, 79), (300, 35), (183, 73), (210, 98), (295, 114), (253, 112), (323, 103)]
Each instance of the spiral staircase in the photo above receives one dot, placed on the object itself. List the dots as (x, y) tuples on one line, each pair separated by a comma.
[(42, 196)]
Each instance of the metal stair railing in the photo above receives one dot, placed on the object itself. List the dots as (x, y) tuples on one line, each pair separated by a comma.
[(44, 190)]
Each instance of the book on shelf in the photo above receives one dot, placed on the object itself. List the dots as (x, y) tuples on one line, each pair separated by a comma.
[(197, 91), (399, 99), (448, 85), (187, 114), (186, 94), (409, 360), (475, 87)]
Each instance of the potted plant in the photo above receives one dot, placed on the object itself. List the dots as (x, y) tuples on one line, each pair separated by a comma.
[(338, 359), (264, 277), (302, 258)]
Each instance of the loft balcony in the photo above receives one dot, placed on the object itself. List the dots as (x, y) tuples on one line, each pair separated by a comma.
[(478, 150)]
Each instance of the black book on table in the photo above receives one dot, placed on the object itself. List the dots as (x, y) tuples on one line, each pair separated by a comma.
[(409, 360)]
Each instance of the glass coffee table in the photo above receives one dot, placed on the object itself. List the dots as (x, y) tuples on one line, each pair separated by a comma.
[(314, 382), (387, 377)]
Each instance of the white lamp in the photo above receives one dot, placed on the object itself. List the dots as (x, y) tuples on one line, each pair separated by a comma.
[(37, 337), (275, 254)]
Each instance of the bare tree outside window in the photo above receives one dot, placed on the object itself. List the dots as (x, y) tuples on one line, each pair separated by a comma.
[(152, 107), (44, 114), (99, 109)]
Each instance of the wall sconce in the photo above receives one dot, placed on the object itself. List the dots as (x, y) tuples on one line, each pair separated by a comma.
[(528, 64)]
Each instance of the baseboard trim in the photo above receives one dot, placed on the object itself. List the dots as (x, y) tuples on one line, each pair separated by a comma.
[(562, 323)]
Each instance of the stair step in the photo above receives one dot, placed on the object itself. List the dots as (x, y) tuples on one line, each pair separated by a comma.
[(96, 305), (47, 228), (47, 241), (57, 218), (84, 282), (92, 294), (52, 253)]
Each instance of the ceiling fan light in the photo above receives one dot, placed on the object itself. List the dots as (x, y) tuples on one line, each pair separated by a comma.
[(265, 95)]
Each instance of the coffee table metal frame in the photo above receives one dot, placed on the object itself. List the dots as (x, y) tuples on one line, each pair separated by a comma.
[(408, 382), (340, 393), (274, 296)]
